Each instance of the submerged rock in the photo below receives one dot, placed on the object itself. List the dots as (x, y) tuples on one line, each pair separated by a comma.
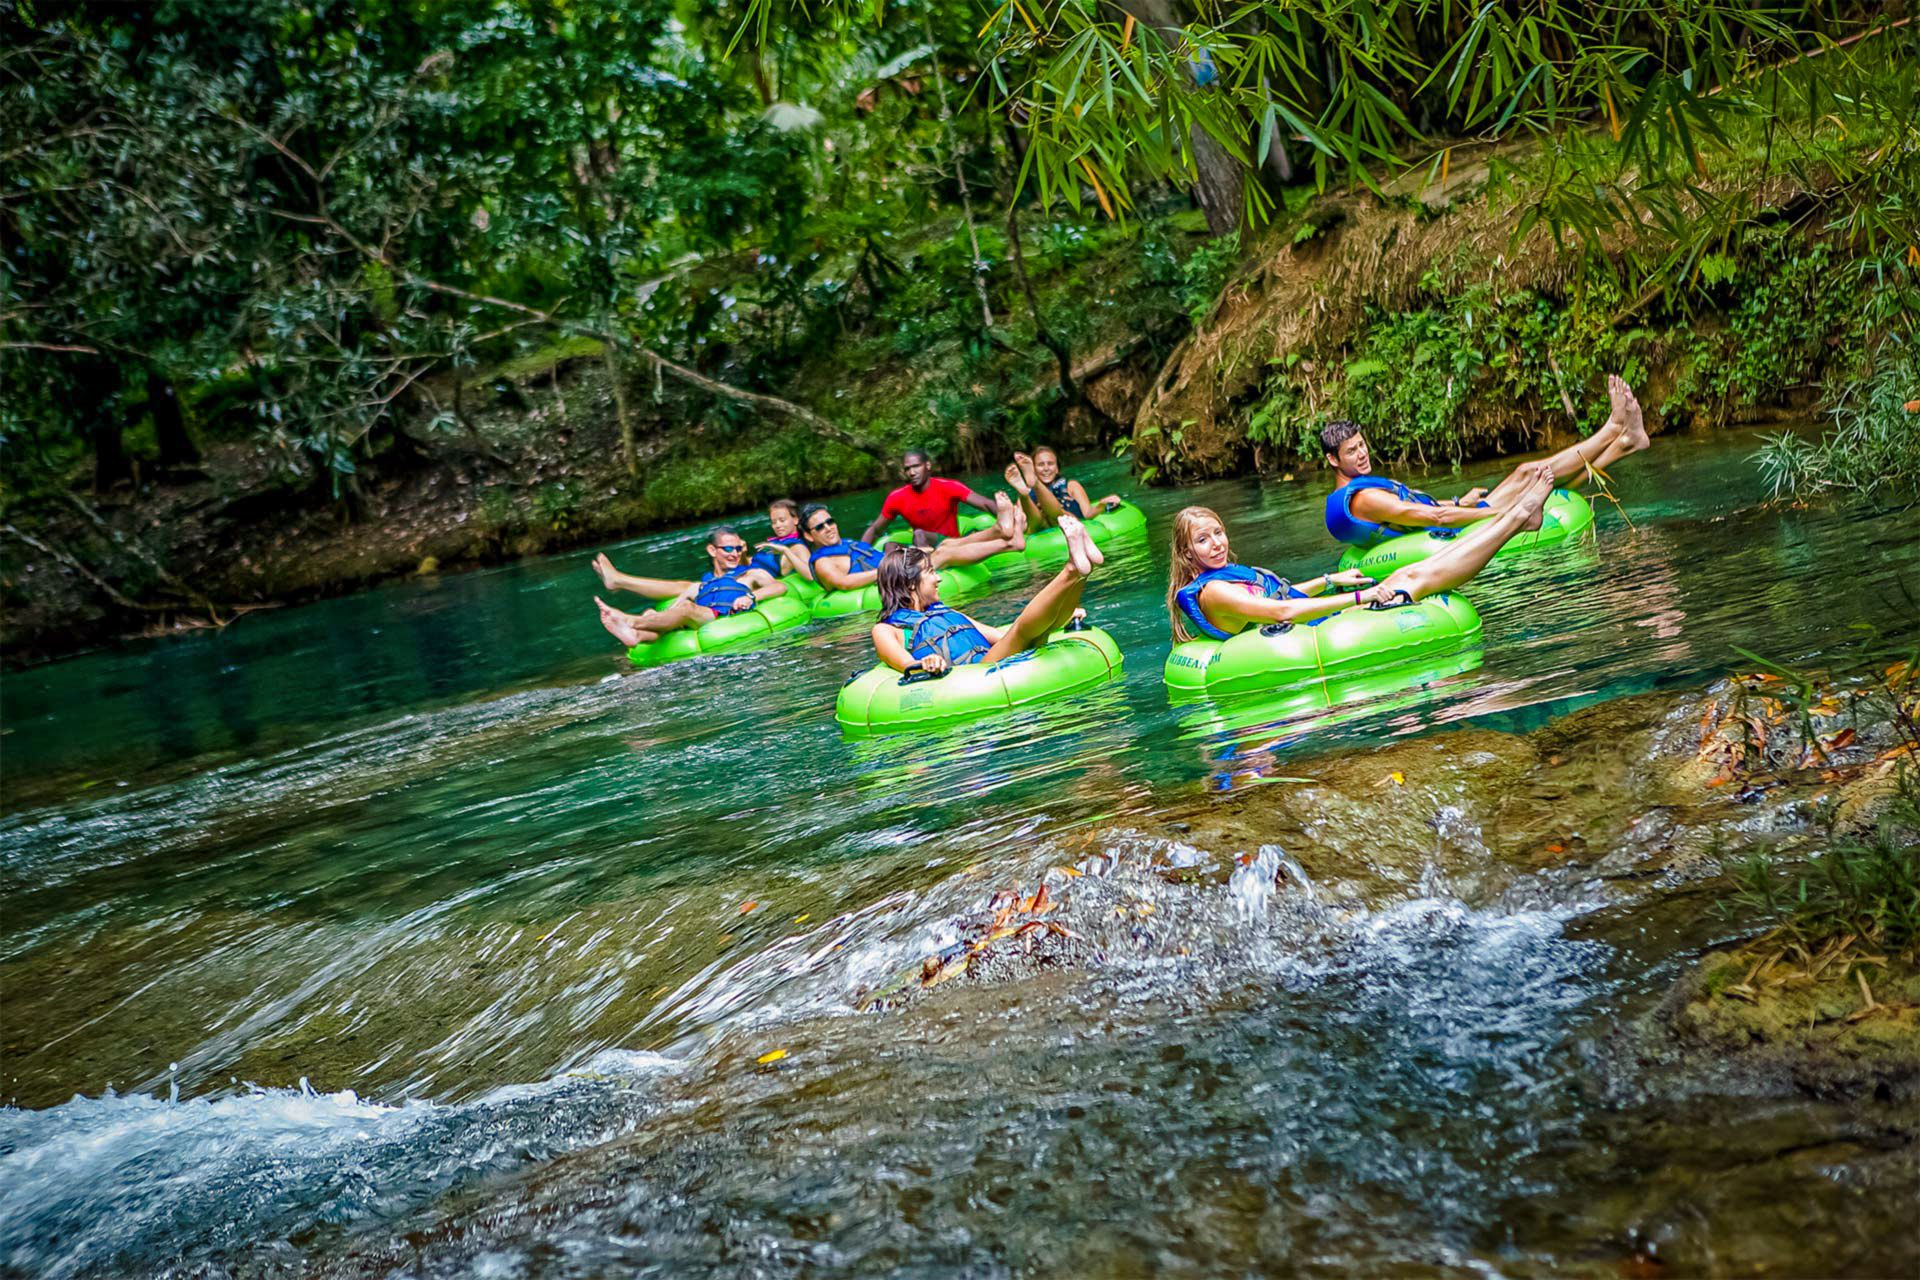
[(1836, 1023)]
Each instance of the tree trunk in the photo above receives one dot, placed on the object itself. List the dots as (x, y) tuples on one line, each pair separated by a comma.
[(617, 378), (1218, 184), (169, 427), (960, 177), (1218, 178), (97, 395), (1062, 354)]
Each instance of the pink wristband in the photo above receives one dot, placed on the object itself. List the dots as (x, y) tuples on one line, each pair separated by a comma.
[(1356, 597)]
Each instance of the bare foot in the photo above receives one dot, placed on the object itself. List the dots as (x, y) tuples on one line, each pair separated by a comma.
[(619, 624), (1003, 509), (1627, 411), (1533, 502), (1014, 479), (1027, 473), (604, 567), (1080, 549)]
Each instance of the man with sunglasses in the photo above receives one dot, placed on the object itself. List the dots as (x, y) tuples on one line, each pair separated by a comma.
[(731, 586), (840, 564)]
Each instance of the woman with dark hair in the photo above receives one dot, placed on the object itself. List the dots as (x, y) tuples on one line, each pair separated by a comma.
[(917, 632)]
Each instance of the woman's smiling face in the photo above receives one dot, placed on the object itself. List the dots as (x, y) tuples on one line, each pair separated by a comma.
[(1046, 466), (1210, 546)]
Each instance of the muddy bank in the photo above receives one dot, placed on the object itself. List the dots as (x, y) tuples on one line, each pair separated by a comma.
[(1422, 315)]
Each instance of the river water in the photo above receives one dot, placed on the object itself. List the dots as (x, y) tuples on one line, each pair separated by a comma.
[(411, 932)]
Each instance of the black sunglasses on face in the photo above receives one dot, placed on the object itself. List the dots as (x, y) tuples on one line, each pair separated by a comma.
[(736, 548), (815, 528)]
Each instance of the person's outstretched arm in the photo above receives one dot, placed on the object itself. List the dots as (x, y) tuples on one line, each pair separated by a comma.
[(796, 554), (1217, 599), (880, 522), (1381, 507), (977, 500), (833, 574), (1348, 578)]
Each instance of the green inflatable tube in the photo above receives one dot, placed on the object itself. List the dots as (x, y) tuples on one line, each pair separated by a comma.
[(959, 580), (1567, 516), (883, 701), (1353, 640), (735, 631)]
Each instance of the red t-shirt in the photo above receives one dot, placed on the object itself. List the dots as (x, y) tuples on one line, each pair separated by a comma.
[(933, 510)]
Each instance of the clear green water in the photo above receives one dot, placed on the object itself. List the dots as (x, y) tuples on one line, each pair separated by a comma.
[(434, 845)]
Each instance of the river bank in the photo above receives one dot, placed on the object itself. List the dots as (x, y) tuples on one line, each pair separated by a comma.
[(527, 457)]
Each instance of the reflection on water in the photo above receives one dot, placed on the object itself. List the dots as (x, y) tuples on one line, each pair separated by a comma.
[(434, 842)]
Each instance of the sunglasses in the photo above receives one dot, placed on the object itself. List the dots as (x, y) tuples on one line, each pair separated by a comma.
[(827, 523), (737, 548)]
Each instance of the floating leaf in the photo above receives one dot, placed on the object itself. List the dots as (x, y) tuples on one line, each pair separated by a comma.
[(773, 1056)]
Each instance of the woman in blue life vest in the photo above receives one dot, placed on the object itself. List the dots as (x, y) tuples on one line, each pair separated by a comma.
[(731, 586), (1210, 596), (783, 514), (848, 564), (917, 632), (1046, 494)]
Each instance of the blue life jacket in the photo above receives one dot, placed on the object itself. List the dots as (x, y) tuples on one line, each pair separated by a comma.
[(769, 559), (1269, 584), (939, 629), (1347, 527), (861, 556), (724, 593), (1062, 492)]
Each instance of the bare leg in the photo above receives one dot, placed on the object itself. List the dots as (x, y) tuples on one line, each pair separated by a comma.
[(1624, 432), (1634, 438), (653, 588), (1468, 555), (1035, 516), (1054, 603), (985, 543), (638, 628), (1043, 497)]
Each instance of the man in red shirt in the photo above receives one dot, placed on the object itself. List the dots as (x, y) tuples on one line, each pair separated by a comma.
[(928, 503)]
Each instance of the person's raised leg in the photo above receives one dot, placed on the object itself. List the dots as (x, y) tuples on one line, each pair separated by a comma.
[(1055, 603), (1624, 432), (1044, 498), (1035, 516), (653, 588), (654, 623), (1468, 555), (1634, 437), (1008, 533)]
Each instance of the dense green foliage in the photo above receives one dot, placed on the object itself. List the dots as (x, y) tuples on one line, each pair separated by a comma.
[(300, 221)]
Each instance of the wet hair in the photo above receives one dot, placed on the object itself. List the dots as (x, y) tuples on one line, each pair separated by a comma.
[(898, 576), (1337, 433), (785, 504), (806, 516), (1184, 566), (911, 454), (1046, 448), (722, 530)]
